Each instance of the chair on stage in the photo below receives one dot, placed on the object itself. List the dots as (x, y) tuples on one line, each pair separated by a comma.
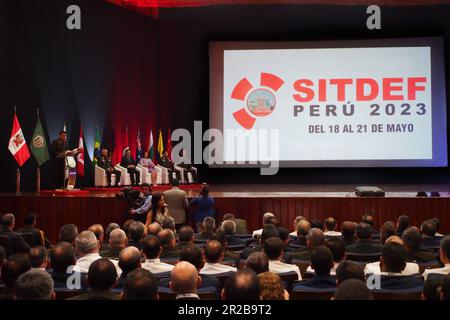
[(164, 174), (125, 179), (190, 178), (146, 176), (100, 178)]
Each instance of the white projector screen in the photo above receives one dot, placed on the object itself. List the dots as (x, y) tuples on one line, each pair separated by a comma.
[(359, 103)]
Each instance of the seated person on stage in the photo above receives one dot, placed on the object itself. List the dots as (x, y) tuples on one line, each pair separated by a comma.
[(229, 229), (410, 267), (337, 247), (412, 238), (130, 164), (187, 166), (403, 222), (18, 244), (303, 227), (429, 238), (322, 263), (444, 254), (314, 238), (117, 242), (151, 250), (348, 232), (146, 162), (168, 242), (144, 210), (266, 217), (273, 248), (140, 284), (105, 163), (170, 166), (330, 228), (387, 230), (364, 244), (392, 263), (296, 221), (214, 255), (241, 224), (242, 285), (184, 281), (129, 260), (269, 231)]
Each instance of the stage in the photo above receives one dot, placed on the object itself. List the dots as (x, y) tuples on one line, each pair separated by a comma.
[(247, 201)]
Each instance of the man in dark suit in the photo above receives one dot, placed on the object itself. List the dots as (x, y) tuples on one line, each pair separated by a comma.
[(185, 237), (241, 224), (140, 284), (18, 245), (268, 231), (130, 164), (368, 218), (129, 260), (184, 281), (170, 166), (392, 263), (105, 162), (314, 238), (168, 242), (187, 166), (364, 244), (39, 238), (62, 256), (429, 239), (348, 232), (412, 238), (229, 229), (303, 227), (118, 241), (58, 147), (136, 232)]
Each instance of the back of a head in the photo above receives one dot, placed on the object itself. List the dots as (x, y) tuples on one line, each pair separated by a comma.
[(184, 278), (428, 228), (403, 222), (321, 260), (62, 255), (118, 238), (8, 220), (316, 223), (30, 219), (353, 289), (102, 274), (269, 231), (445, 248), (412, 238), (175, 182), (127, 224), (34, 285), (330, 224), (273, 248), (110, 228), (98, 230), (37, 255), (136, 231), (86, 243), (267, 216), (437, 222), (337, 247), (209, 224), (258, 262), (228, 216), (168, 223), (348, 229), (394, 257), (315, 237), (303, 227), (154, 228), (193, 255), (68, 233), (129, 260), (387, 229), (368, 218), (229, 227), (186, 234), (166, 236), (363, 231), (151, 247), (271, 286), (284, 233), (349, 270), (213, 251), (140, 284), (13, 267), (242, 285)]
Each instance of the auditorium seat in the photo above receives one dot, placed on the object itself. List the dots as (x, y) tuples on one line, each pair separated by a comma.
[(428, 265), (363, 257), (64, 294), (312, 294), (302, 265), (100, 178), (207, 293), (4, 242), (125, 179), (396, 295), (191, 180)]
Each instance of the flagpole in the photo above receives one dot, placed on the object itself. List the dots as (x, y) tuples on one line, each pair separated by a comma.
[(18, 169), (38, 170)]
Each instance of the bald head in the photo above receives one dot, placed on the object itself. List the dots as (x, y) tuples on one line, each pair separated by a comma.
[(315, 237), (154, 228), (167, 238), (97, 229), (348, 229), (118, 238), (184, 278), (129, 260), (395, 239), (303, 227), (267, 216), (213, 251)]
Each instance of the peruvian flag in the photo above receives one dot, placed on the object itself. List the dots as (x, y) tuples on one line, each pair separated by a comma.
[(80, 155), (17, 144)]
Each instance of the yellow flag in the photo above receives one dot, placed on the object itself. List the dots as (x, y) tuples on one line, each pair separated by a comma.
[(160, 144)]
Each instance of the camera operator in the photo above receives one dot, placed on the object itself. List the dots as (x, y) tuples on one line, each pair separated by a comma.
[(141, 212)]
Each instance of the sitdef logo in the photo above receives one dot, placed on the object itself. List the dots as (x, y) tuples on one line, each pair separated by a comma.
[(260, 101)]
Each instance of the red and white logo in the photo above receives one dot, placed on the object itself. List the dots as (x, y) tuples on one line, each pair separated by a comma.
[(260, 101)]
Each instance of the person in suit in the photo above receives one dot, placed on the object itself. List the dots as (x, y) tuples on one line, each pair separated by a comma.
[(241, 224), (296, 221), (348, 232), (38, 257), (242, 285), (258, 262), (62, 256), (429, 239), (58, 147), (170, 166), (102, 277), (68, 233), (168, 242), (330, 224), (99, 232), (185, 163), (30, 227), (136, 232), (229, 229), (129, 260), (314, 238), (228, 255), (18, 245), (322, 263), (34, 284), (208, 229), (392, 263), (387, 230), (364, 244), (130, 164), (213, 252), (117, 242), (177, 203), (105, 162), (273, 248), (268, 231), (368, 218), (185, 237), (184, 281), (412, 238), (444, 255), (303, 227), (151, 250), (349, 270), (140, 284), (403, 222)]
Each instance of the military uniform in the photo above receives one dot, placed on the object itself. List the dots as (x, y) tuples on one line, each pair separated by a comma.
[(106, 164), (168, 164)]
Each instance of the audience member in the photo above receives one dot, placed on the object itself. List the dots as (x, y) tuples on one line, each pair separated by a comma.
[(349, 270), (271, 287), (348, 232), (412, 238), (321, 263), (34, 284), (154, 228), (303, 227), (387, 229), (432, 288), (330, 228), (353, 289), (185, 237), (62, 256), (208, 229), (265, 219), (12, 268), (99, 232), (296, 221), (314, 238), (140, 284), (108, 231), (364, 244), (268, 232), (87, 248), (242, 285), (68, 233), (444, 255), (129, 260), (39, 238), (228, 255), (184, 281), (213, 252), (151, 249), (403, 222), (18, 245), (38, 257), (241, 224), (168, 242), (136, 232), (273, 248), (229, 229), (117, 242), (429, 239), (258, 262)]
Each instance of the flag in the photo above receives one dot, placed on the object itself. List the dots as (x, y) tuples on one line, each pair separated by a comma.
[(151, 148), (39, 144), (80, 155), (64, 127), (96, 147), (160, 145), (113, 142), (138, 147), (17, 144), (126, 143), (169, 146)]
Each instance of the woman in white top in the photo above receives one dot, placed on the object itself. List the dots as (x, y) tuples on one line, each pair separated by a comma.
[(148, 163)]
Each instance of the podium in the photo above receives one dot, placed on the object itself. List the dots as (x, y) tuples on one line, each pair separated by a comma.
[(70, 168)]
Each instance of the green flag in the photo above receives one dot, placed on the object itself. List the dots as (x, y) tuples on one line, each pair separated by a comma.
[(96, 147), (39, 145)]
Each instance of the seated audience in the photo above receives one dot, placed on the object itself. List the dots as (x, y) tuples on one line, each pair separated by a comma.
[(102, 277), (258, 262), (168, 242), (62, 256), (99, 232), (229, 229), (330, 228), (444, 255), (108, 231), (337, 247), (403, 222), (117, 242), (242, 285), (34, 284), (316, 223), (387, 229), (38, 257), (228, 255), (12, 268), (129, 260), (437, 222), (296, 221), (271, 287), (168, 223), (445, 289), (321, 262), (273, 248), (429, 238), (268, 232), (86, 247), (68, 233), (353, 289), (208, 229), (368, 218), (284, 236), (151, 249), (185, 237), (126, 226), (136, 232), (348, 232), (303, 227), (154, 228), (140, 284), (184, 281), (265, 218), (412, 238), (18, 245), (39, 238), (432, 288), (349, 270), (241, 224), (213, 252), (314, 238), (364, 244)]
